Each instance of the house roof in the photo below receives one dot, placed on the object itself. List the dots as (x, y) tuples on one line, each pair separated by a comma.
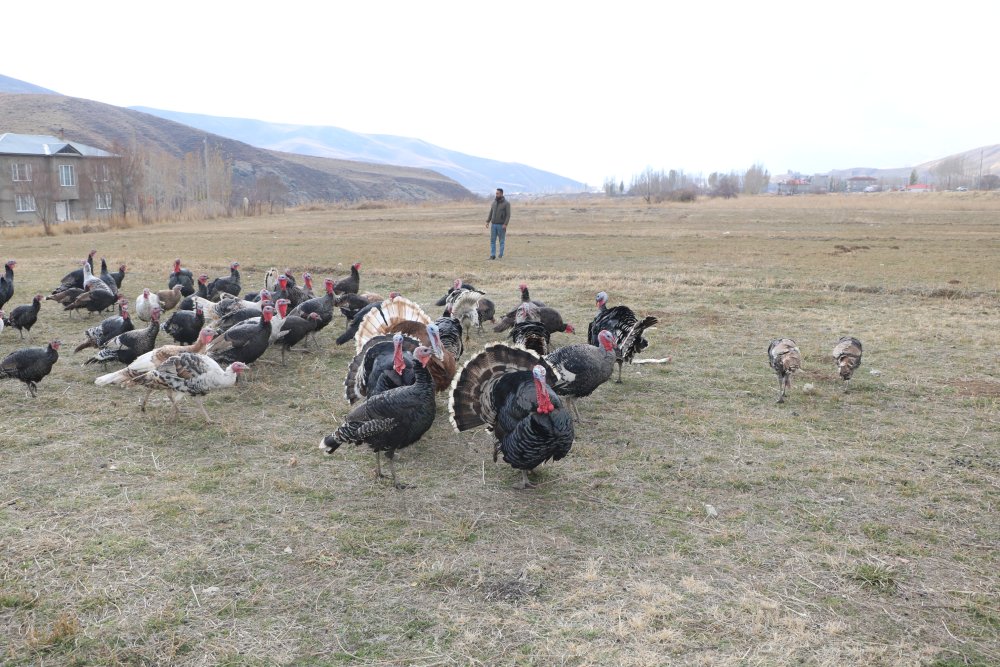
[(41, 144)]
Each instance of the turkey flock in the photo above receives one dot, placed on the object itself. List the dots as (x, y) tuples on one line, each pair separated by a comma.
[(523, 390)]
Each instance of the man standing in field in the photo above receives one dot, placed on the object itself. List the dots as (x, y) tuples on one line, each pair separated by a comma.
[(497, 222)]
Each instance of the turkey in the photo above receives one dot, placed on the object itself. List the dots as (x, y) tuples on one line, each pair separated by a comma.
[(385, 362), (7, 282), (107, 278), (201, 292), (108, 328), (847, 354), (784, 357), (463, 305), (350, 304), (351, 284), (66, 297), (270, 281), (486, 311), (127, 347), (228, 285), (145, 303), (277, 319), (391, 420), (95, 298), (626, 328), (243, 313), (355, 323), (321, 305), (582, 369), (183, 326), (188, 374), (30, 365), (296, 294), (507, 321), (294, 330), (169, 298), (90, 280), (245, 342), (504, 388), (24, 317), (458, 284), (282, 290), (443, 361), (397, 314), (528, 331), (181, 276), (119, 275), (75, 277), (150, 360)]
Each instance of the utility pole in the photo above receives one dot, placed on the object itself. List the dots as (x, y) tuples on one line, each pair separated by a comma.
[(979, 181)]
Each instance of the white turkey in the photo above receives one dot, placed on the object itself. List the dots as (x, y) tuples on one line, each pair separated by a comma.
[(189, 374)]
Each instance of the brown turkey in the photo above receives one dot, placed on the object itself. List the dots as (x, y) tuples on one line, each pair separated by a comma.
[(784, 357), (847, 355)]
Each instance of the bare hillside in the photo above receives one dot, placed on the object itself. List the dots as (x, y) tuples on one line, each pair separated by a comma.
[(308, 179)]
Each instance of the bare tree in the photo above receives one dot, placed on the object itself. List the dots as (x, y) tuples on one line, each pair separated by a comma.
[(127, 175), (756, 179)]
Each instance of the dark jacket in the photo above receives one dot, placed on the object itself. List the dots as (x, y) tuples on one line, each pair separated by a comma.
[(499, 212)]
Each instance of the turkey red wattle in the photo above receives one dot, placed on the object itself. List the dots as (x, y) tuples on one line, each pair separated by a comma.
[(545, 405)]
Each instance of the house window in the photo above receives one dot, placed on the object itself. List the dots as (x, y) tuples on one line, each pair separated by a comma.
[(67, 175), (20, 171), (103, 201), (24, 203), (103, 174)]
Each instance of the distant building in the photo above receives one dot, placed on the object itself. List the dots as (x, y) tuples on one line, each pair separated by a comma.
[(45, 178), (920, 187), (861, 184)]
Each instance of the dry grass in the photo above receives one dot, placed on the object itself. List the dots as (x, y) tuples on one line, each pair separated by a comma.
[(694, 522)]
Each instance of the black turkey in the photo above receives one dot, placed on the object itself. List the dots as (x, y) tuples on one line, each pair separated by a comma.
[(245, 342), (24, 317), (108, 328), (384, 362), (624, 325), (391, 420), (30, 365), (504, 388), (183, 277), (230, 284), (583, 368), (125, 348), (7, 282), (183, 325)]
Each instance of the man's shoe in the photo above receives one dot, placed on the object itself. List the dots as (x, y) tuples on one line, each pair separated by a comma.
[(492, 257)]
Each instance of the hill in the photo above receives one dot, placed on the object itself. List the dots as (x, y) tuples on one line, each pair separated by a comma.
[(966, 166), (478, 174), (100, 125)]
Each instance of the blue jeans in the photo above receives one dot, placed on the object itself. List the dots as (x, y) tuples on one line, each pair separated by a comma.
[(497, 231)]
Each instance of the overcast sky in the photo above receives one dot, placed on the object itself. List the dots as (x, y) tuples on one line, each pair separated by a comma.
[(588, 90)]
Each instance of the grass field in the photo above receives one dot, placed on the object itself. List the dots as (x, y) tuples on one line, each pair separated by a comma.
[(695, 521)]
